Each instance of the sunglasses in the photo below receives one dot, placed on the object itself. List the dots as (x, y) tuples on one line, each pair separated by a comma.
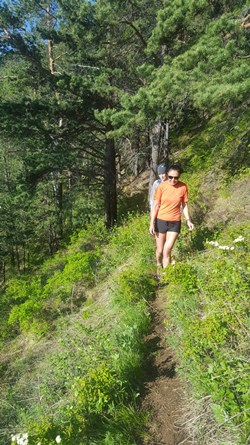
[(173, 177)]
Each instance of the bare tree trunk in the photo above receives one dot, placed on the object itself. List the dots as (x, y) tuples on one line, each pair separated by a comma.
[(4, 271), (59, 199), (119, 174), (18, 261), (50, 236), (58, 183), (24, 258), (137, 158), (155, 153), (50, 42), (110, 196), (165, 142), (12, 256), (51, 57)]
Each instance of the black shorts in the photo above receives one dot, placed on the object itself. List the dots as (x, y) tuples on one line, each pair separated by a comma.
[(162, 226)]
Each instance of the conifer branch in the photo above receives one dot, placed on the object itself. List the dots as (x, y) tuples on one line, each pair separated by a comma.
[(244, 21), (47, 10), (6, 32), (8, 77), (244, 57), (137, 32)]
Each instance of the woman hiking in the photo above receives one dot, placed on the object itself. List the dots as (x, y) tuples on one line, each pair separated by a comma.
[(170, 199)]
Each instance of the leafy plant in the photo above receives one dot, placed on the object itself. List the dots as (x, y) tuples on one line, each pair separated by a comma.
[(212, 291)]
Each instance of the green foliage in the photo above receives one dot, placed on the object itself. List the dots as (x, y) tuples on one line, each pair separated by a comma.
[(98, 392), (37, 300), (94, 372), (212, 291), (124, 238), (79, 266), (27, 304), (132, 284), (202, 67)]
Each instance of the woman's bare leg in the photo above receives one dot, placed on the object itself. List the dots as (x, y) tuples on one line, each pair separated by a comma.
[(160, 241), (169, 243)]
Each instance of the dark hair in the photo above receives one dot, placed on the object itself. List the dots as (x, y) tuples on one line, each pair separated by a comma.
[(176, 166)]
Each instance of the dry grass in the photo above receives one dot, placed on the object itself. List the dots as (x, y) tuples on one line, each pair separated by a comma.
[(232, 208), (202, 429)]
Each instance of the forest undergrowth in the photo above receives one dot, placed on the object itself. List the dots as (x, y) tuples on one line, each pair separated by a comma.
[(74, 373)]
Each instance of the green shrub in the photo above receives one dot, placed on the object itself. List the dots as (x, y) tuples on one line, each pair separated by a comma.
[(99, 391), (94, 374), (208, 304), (27, 314), (131, 286), (79, 266)]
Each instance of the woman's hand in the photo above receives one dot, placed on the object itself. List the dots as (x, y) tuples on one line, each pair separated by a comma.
[(152, 229), (190, 225)]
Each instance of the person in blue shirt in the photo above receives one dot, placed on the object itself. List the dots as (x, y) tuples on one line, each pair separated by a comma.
[(162, 173)]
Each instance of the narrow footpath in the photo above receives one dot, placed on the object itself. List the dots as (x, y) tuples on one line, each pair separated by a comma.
[(164, 395)]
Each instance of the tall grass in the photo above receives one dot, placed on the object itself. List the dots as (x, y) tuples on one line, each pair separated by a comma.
[(79, 382), (209, 308)]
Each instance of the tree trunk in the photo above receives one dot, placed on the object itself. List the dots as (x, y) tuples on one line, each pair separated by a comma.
[(60, 209), (18, 261), (24, 258), (4, 271), (50, 236), (155, 153), (50, 42), (119, 168), (51, 57), (110, 196), (165, 142)]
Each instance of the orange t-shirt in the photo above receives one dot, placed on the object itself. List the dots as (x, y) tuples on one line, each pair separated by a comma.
[(170, 198)]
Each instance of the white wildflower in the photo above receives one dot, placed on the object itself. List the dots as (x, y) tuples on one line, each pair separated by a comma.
[(232, 248), (239, 239), (213, 243), (58, 439), (224, 247), (173, 262), (16, 438)]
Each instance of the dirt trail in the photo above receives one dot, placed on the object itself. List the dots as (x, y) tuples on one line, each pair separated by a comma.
[(164, 393)]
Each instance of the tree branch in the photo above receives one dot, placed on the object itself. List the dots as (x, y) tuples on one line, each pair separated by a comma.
[(47, 10), (137, 32), (244, 57), (8, 77), (244, 20), (6, 32)]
